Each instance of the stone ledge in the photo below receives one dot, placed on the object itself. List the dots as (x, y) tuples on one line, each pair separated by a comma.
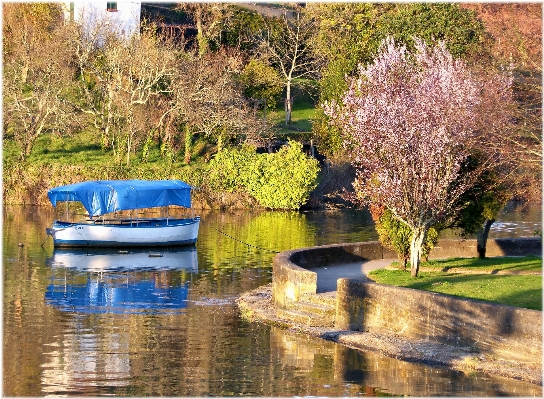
[(515, 333), (258, 306)]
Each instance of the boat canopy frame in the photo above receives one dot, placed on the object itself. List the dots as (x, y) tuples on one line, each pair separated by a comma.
[(101, 197)]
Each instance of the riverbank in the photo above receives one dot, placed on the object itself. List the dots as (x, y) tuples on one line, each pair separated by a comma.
[(258, 306), (325, 292), (27, 183)]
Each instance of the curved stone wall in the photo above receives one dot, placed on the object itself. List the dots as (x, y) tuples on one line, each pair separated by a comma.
[(367, 306)]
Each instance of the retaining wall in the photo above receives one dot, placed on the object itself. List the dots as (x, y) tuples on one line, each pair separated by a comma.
[(506, 331), (291, 277), (366, 306)]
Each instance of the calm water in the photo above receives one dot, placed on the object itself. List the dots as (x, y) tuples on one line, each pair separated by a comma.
[(164, 323)]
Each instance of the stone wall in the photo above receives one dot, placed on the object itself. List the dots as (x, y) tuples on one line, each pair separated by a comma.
[(290, 281), (292, 277), (495, 247), (365, 306), (506, 331)]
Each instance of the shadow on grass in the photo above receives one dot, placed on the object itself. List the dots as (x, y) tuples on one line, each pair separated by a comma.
[(520, 291), (73, 150), (490, 265)]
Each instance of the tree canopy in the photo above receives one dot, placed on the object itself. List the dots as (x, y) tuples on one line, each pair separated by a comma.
[(410, 122), (359, 28)]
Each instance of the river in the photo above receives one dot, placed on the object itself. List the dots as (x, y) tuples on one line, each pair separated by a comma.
[(164, 323)]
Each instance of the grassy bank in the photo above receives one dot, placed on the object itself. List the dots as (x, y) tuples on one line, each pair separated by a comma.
[(509, 281), (64, 159)]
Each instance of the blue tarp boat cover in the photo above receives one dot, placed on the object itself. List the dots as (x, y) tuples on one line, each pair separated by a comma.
[(105, 196)]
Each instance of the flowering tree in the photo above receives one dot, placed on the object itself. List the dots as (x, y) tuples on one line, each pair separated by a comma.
[(411, 122)]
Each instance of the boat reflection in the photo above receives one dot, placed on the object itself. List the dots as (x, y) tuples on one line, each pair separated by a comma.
[(122, 282)]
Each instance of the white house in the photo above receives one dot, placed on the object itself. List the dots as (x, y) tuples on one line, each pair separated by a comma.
[(123, 16)]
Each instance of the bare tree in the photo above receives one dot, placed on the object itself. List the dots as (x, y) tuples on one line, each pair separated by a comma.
[(517, 30), (97, 75), (208, 98), (147, 71), (523, 143), (287, 46), (36, 73), (208, 18), (118, 78)]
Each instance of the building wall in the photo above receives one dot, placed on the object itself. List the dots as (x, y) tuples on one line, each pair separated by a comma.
[(124, 18)]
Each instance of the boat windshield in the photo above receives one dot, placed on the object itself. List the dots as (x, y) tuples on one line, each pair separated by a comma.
[(75, 212)]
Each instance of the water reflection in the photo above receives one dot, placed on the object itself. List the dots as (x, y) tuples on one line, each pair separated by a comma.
[(94, 348), (119, 282), (365, 373), (79, 363), (516, 219), (101, 260)]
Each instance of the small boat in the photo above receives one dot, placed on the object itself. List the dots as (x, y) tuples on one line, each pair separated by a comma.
[(109, 221)]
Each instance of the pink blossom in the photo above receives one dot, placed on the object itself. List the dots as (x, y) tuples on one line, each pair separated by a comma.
[(409, 122)]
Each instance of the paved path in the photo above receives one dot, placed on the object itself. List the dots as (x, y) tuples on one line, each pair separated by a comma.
[(327, 276)]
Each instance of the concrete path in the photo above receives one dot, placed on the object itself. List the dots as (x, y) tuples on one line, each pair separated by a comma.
[(327, 276)]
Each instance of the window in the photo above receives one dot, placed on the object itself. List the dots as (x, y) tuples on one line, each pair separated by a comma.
[(111, 6)]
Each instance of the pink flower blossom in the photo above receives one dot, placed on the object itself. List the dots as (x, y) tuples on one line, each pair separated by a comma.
[(409, 122)]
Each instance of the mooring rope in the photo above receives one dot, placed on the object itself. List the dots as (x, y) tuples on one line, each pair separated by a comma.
[(243, 242), (43, 243), (215, 228)]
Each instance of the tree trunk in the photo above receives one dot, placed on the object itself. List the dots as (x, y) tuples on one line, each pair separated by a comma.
[(264, 115), (109, 118), (288, 104), (416, 248), (188, 145), (24, 74), (482, 235), (27, 147), (220, 140), (403, 261), (202, 42), (35, 131), (128, 150)]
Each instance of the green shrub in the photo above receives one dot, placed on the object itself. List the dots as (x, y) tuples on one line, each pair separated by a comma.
[(284, 179), (229, 169), (281, 180), (396, 235)]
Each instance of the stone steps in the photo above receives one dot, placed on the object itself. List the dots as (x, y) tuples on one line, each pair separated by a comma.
[(328, 298), (306, 318), (313, 310)]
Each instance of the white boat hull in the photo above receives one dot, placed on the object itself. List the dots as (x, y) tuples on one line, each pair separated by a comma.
[(133, 233)]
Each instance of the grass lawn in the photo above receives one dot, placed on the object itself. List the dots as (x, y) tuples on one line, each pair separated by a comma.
[(523, 291), (301, 119)]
